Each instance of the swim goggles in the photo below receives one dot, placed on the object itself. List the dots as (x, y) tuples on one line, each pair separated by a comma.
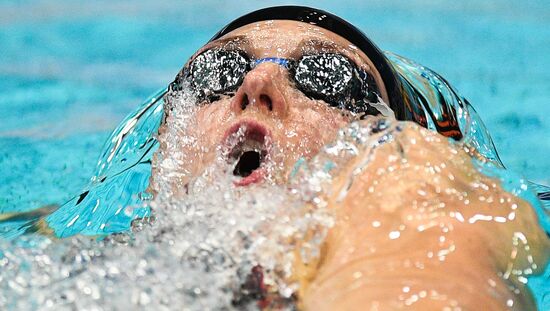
[(330, 77), (405, 98)]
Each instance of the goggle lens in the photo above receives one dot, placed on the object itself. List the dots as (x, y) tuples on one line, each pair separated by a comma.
[(330, 77), (218, 72)]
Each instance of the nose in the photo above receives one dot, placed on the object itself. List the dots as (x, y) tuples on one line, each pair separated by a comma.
[(262, 89)]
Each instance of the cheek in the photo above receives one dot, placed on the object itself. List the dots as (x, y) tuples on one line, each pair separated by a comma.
[(209, 124), (322, 122), (314, 128), (315, 115), (198, 140)]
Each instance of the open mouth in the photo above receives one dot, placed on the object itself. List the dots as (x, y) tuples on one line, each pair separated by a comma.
[(248, 143)]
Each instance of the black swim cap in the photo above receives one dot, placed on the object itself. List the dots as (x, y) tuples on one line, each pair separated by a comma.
[(342, 28)]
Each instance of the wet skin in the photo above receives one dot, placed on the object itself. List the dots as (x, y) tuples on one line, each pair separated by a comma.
[(296, 126), (362, 267), (421, 229)]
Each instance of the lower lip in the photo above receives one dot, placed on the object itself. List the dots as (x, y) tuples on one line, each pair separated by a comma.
[(255, 177), (260, 134)]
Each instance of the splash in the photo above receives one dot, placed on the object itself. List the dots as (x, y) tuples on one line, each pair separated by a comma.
[(218, 248), (412, 215), (223, 247), (209, 245), (215, 246)]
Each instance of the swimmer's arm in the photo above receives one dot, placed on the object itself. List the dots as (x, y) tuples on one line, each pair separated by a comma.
[(398, 248)]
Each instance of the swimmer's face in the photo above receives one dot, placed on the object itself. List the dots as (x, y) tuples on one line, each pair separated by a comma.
[(265, 123)]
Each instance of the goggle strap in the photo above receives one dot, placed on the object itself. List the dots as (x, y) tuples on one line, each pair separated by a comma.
[(279, 61)]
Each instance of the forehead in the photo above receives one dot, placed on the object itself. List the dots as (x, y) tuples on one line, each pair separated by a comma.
[(281, 38)]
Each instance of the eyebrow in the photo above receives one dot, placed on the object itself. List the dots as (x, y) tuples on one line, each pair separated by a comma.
[(315, 45), (242, 40), (305, 47)]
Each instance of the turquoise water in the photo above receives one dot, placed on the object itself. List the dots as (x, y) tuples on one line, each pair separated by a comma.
[(70, 72)]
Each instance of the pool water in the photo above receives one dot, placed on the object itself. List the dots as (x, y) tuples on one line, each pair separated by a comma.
[(72, 71)]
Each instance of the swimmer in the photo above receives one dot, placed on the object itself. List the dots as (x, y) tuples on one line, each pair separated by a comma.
[(275, 86), (407, 239), (289, 78)]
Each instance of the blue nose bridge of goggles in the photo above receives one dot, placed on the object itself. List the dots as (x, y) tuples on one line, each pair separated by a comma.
[(279, 61)]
